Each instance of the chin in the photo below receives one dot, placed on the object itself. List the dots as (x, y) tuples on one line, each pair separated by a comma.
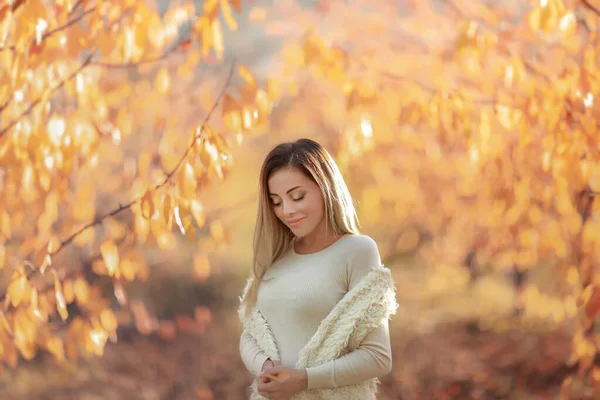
[(299, 232)]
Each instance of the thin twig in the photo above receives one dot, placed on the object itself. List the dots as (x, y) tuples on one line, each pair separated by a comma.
[(55, 30), (121, 208), (137, 63), (124, 207), (85, 63), (13, 7), (591, 7)]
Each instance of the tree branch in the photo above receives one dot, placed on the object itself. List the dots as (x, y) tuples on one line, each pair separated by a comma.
[(591, 7), (124, 207), (137, 63), (13, 7), (85, 63), (57, 29)]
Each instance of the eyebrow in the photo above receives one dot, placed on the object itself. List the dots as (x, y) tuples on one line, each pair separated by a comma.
[(294, 188)]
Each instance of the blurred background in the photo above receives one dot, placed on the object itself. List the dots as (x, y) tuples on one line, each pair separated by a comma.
[(131, 138)]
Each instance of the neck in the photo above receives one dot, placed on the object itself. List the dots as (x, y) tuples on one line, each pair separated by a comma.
[(317, 240)]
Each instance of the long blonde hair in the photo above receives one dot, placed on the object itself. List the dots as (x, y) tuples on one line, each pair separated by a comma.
[(271, 237)]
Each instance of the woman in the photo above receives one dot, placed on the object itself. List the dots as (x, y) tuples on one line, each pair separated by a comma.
[(315, 310)]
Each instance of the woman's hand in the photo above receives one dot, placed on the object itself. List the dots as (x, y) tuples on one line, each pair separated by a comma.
[(284, 382), (266, 365)]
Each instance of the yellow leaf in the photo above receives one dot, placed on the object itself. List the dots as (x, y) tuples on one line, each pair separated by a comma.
[(19, 288), (263, 102), (163, 81), (203, 28), (274, 89), (247, 76), (226, 10), (248, 116), (568, 25), (147, 205), (108, 320), (168, 210), (231, 114), (197, 211), (217, 230), (187, 181), (178, 220), (40, 315), (68, 291), (156, 31), (217, 37), (110, 255), (128, 269), (81, 290), (61, 304)]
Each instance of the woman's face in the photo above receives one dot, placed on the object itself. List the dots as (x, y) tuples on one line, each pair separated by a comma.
[(296, 200)]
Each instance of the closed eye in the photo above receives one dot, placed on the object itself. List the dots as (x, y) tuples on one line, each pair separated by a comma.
[(278, 204)]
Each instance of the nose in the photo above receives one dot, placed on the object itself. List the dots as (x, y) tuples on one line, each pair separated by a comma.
[(288, 208)]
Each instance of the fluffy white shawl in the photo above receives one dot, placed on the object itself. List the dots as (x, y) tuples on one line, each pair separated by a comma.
[(362, 309)]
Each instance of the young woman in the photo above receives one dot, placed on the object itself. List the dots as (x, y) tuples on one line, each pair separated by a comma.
[(315, 310)]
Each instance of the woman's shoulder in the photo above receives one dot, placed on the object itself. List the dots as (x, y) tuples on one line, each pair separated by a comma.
[(358, 243)]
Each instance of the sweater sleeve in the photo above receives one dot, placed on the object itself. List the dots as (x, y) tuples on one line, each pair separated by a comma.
[(373, 357), (252, 356)]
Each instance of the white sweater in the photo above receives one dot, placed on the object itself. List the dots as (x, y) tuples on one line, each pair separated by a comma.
[(300, 290)]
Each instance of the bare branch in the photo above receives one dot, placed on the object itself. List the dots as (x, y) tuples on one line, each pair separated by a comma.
[(68, 24), (127, 206), (137, 63), (12, 7), (212, 109), (124, 207), (591, 7), (57, 29), (85, 63)]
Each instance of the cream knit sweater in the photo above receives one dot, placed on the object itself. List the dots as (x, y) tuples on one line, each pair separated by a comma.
[(299, 291)]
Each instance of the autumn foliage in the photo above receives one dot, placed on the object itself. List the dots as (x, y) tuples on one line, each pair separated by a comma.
[(469, 130), (81, 80)]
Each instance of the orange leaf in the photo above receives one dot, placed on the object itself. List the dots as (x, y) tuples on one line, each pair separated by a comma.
[(108, 320), (163, 81), (187, 181), (61, 304), (197, 212), (19, 288), (81, 289), (110, 255), (217, 230), (147, 205), (226, 10), (231, 114), (217, 37)]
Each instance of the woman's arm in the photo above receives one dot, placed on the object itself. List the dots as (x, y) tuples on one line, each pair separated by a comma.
[(252, 356), (372, 358)]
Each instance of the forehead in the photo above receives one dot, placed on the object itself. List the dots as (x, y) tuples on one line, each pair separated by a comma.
[(286, 178)]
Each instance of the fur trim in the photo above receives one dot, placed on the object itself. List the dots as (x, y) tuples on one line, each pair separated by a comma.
[(361, 310)]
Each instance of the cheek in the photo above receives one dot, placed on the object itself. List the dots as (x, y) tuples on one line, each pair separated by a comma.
[(277, 212)]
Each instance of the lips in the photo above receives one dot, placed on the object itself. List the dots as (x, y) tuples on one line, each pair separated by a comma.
[(296, 221)]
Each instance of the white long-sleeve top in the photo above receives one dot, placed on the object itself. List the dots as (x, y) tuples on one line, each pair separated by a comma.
[(300, 290)]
